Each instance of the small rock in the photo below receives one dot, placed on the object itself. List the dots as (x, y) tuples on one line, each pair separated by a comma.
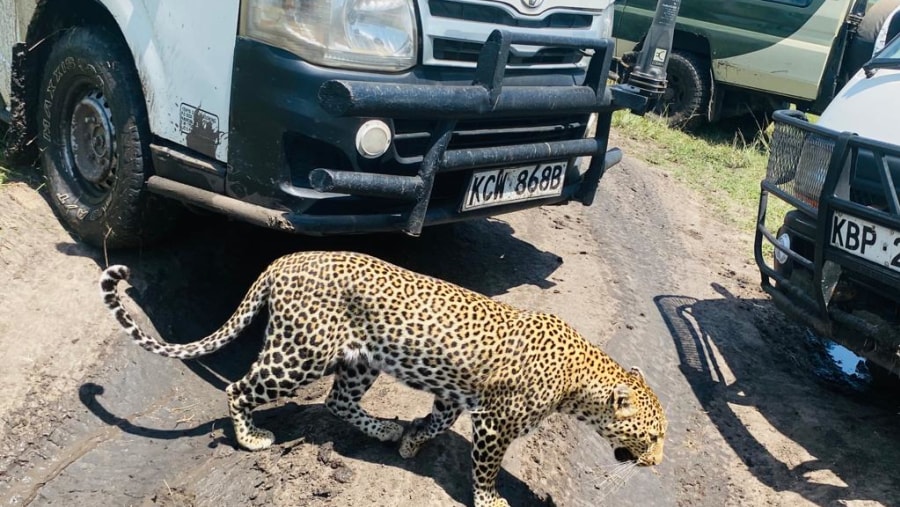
[(343, 474), (323, 493), (325, 452)]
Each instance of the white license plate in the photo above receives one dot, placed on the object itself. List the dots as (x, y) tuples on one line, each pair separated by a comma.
[(501, 186), (862, 238)]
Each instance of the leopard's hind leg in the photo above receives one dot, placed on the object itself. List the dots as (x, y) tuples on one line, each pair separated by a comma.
[(243, 397), (268, 380), (351, 381)]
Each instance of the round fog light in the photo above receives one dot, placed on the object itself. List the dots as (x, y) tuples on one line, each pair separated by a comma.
[(784, 239), (373, 139)]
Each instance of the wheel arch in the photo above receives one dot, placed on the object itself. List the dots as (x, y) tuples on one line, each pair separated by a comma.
[(690, 81), (684, 40), (48, 20), (691, 42)]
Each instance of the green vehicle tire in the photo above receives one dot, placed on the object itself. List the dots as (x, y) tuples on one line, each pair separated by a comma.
[(686, 100)]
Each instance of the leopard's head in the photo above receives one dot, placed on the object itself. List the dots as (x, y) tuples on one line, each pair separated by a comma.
[(632, 420)]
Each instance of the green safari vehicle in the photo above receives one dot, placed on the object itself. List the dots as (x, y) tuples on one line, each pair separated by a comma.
[(754, 56)]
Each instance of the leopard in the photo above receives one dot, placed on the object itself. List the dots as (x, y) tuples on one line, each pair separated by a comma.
[(354, 316)]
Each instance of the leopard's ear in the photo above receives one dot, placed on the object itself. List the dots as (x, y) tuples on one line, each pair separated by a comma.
[(637, 372), (623, 403)]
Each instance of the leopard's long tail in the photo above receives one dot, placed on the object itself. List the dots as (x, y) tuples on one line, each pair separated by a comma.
[(249, 307)]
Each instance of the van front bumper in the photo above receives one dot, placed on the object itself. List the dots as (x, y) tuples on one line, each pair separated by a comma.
[(293, 164)]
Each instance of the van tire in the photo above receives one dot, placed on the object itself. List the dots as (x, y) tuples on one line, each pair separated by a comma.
[(686, 100), (91, 99)]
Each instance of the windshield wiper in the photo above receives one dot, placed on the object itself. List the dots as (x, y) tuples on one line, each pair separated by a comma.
[(880, 63)]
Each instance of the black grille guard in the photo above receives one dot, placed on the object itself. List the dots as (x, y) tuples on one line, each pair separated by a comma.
[(879, 342), (485, 96)]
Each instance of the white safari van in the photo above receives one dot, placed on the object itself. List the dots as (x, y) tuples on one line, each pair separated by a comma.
[(315, 117), (837, 253)]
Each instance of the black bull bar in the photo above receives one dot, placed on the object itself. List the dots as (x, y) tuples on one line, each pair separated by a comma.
[(485, 97)]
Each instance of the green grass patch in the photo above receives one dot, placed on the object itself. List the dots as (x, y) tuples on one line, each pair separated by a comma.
[(723, 162)]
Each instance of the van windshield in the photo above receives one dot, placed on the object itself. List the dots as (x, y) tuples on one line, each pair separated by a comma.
[(887, 58), (892, 50)]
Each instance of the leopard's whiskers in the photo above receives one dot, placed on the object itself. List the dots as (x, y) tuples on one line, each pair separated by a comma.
[(615, 478)]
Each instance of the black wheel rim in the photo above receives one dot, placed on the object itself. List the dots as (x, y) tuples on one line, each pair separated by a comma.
[(675, 92), (672, 102), (88, 139)]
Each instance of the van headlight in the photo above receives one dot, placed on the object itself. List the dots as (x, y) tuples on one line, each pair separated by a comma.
[(356, 34)]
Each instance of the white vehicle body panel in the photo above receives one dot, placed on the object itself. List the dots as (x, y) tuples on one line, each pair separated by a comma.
[(184, 52), (8, 37), (867, 106)]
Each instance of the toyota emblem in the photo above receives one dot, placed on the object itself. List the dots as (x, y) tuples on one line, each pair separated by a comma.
[(531, 4)]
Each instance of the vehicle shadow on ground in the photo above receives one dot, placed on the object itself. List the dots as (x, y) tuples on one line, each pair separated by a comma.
[(832, 444), (446, 459)]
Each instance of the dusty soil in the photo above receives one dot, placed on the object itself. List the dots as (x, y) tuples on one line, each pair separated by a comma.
[(758, 414)]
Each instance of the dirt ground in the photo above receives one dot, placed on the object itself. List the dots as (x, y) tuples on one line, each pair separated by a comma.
[(758, 413)]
